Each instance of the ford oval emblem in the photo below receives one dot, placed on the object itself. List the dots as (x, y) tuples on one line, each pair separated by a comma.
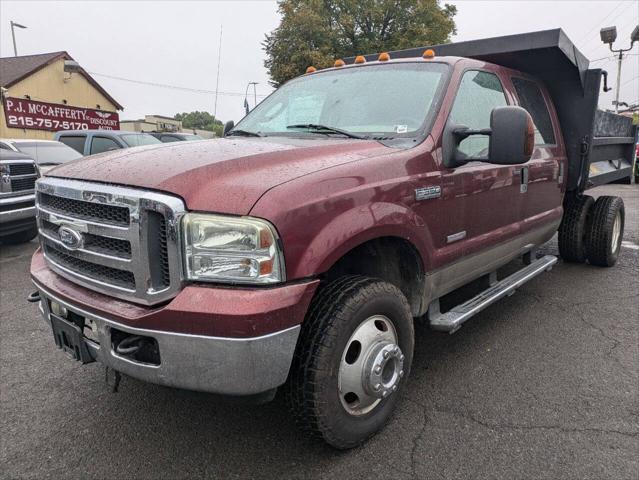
[(70, 238)]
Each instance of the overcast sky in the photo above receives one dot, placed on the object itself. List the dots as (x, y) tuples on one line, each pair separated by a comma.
[(176, 43)]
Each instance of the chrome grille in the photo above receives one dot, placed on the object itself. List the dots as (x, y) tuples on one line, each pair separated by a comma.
[(120, 241), (85, 210), (18, 177), (16, 169), (112, 276), (20, 184)]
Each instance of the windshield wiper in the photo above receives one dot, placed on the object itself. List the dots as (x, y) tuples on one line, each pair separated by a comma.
[(243, 133), (319, 128)]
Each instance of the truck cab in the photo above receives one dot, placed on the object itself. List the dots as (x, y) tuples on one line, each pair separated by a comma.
[(296, 252)]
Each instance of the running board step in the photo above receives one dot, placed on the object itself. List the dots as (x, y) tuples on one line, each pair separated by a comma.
[(452, 320)]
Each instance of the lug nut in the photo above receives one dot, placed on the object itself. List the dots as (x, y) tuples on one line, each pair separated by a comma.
[(401, 373), (385, 393), (394, 388), (377, 387), (386, 354), (401, 358), (378, 369)]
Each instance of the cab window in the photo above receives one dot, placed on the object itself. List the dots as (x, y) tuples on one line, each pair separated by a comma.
[(76, 142), (532, 100), (479, 92), (103, 144)]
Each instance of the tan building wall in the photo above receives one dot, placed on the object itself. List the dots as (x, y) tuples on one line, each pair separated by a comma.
[(52, 84), (137, 126)]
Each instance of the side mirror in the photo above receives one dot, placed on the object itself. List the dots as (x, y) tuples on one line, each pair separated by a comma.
[(228, 126), (512, 139)]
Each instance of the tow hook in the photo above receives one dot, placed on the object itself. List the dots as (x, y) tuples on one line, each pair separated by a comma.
[(130, 345), (34, 297)]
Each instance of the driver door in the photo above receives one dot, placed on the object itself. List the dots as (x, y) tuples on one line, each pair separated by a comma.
[(484, 199)]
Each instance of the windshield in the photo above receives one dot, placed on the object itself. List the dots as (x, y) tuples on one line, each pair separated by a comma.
[(45, 153), (137, 139), (389, 100)]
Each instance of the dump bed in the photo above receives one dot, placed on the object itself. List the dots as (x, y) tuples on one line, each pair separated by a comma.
[(599, 145)]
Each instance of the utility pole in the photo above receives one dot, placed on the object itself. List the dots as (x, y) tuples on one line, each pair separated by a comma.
[(609, 35), (13, 36), (217, 82)]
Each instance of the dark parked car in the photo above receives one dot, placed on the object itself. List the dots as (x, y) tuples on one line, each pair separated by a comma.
[(166, 137), (89, 142)]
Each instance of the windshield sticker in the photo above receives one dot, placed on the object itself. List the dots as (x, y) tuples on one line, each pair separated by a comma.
[(401, 128)]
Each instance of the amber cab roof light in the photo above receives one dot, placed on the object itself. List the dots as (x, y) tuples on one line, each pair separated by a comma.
[(311, 69), (428, 54), (360, 59), (383, 57), (339, 63)]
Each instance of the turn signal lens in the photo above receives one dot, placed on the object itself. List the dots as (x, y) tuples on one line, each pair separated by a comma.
[(383, 57), (339, 63), (311, 70), (429, 53), (360, 59)]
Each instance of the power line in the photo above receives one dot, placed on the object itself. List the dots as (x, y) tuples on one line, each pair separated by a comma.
[(628, 81), (601, 22), (620, 13), (174, 87)]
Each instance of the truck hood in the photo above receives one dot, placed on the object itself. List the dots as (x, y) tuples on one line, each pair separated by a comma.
[(226, 175)]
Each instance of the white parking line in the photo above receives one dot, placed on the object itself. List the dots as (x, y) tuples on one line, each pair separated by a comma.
[(630, 245)]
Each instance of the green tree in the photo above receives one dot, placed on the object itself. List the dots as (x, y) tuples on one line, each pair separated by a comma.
[(200, 120), (316, 32)]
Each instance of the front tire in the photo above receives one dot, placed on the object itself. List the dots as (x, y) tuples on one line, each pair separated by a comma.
[(352, 359), (605, 231)]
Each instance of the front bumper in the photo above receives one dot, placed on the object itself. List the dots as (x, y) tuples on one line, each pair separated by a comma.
[(12, 219), (229, 366), (231, 341)]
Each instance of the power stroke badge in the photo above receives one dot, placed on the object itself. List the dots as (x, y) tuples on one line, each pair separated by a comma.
[(426, 193)]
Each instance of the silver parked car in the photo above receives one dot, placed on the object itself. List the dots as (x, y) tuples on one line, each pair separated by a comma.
[(46, 153)]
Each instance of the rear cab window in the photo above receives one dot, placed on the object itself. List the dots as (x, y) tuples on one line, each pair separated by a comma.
[(103, 144), (531, 99), (76, 142)]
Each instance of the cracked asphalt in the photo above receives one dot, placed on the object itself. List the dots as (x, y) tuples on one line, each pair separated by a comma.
[(544, 384)]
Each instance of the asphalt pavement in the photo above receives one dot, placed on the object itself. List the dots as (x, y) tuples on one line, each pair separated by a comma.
[(544, 384)]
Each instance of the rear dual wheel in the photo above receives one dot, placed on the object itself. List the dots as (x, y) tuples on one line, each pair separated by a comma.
[(592, 230), (353, 357), (605, 231)]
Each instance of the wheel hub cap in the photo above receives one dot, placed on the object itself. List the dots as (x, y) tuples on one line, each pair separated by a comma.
[(371, 367), (383, 370)]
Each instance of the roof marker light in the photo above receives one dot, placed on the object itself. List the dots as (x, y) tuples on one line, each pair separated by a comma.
[(360, 59), (428, 54), (311, 69), (383, 57), (339, 63)]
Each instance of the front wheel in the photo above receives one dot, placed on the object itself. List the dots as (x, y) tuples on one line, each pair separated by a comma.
[(352, 360)]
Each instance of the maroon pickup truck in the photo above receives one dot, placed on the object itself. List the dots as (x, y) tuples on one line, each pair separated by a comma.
[(296, 252)]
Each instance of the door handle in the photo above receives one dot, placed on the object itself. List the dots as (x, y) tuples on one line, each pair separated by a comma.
[(523, 187)]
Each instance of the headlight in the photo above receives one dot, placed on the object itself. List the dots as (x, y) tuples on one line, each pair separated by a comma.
[(232, 250)]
